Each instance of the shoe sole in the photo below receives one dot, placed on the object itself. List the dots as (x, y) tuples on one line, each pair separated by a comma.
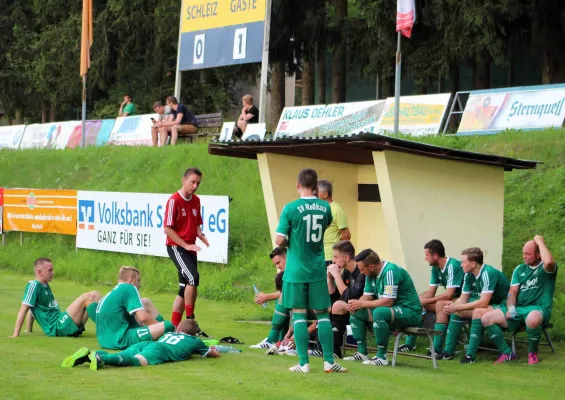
[(69, 362), (93, 362)]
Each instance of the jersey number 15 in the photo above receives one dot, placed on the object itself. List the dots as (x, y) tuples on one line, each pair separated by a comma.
[(314, 232)]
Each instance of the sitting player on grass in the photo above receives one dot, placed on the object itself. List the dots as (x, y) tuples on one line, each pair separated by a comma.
[(281, 316), (124, 319), (483, 286), (171, 347), (396, 306), (39, 298), (447, 272), (530, 300), (345, 282)]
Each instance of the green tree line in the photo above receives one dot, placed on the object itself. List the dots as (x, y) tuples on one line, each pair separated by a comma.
[(135, 51)]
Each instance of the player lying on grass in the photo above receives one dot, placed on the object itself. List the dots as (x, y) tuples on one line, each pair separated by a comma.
[(529, 303), (39, 298), (281, 316), (389, 301), (483, 287), (124, 319), (171, 347), (345, 282), (301, 229), (447, 272)]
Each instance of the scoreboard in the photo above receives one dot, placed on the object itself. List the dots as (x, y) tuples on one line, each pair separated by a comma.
[(221, 32)]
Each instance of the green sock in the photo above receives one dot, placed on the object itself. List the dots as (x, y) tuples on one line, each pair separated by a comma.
[(382, 317), (438, 339), (160, 318), (411, 341), (100, 352), (453, 333), (475, 337), (326, 336), (280, 317), (533, 339), (121, 359), (300, 323), (497, 336), (358, 322)]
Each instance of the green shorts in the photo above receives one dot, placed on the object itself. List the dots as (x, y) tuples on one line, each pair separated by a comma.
[(405, 317), (523, 312), (91, 311), (66, 326), (312, 295), (135, 336), (151, 351)]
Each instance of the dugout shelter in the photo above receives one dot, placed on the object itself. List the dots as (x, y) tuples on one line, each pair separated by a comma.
[(398, 194)]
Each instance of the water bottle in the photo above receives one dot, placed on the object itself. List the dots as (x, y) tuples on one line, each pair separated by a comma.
[(226, 349), (257, 291)]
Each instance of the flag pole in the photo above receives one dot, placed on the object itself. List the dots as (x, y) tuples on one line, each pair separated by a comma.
[(397, 85), (83, 140)]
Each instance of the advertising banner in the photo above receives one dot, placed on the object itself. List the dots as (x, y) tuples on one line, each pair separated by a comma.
[(40, 210), (534, 107), (97, 134), (330, 120), (419, 115), (11, 136), (53, 135), (132, 131), (133, 223), (1, 207)]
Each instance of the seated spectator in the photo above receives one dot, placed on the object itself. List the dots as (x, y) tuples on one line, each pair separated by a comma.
[(163, 116), (249, 115), (127, 108), (183, 122)]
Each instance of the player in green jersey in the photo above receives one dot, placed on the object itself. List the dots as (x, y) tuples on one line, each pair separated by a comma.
[(171, 347), (39, 298), (529, 301), (389, 300), (483, 287), (301, 229), (123, 318), (447, 272)]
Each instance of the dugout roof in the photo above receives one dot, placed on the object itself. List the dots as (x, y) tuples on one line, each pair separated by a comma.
[(357, 149)]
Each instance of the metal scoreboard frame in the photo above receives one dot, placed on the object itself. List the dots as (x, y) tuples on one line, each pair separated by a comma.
[(216, 33)]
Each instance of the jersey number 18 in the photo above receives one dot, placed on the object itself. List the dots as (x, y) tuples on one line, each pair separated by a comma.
[(171, 339)]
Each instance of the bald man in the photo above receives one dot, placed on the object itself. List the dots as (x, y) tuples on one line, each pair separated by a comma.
[(529, 301)]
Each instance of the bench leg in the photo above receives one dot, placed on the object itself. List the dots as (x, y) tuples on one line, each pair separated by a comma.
[(396, 343), (514, 342), (549, 342), (433, 351)]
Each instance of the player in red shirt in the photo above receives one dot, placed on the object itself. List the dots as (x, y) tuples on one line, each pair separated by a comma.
[(182, 226)]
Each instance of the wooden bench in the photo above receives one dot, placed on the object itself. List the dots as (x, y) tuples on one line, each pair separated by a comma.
[(416, 332), (209, 125)]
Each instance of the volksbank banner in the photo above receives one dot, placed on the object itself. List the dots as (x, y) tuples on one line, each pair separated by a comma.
[(133, 223), (533, 107)]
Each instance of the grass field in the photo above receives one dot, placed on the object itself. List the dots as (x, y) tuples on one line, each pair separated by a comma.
[(30, 366)]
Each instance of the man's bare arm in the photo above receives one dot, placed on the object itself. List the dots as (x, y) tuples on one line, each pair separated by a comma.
[(20, 320), (30, 320), (144, 318)]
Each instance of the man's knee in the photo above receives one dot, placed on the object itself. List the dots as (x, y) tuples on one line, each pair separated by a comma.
[(534, 319), (479, 312), (439, 306), (94, 296), (487, 319), (339, 308)]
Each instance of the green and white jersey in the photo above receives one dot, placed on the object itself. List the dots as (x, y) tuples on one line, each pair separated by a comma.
[(394, 282), (536, 285), (489, 280), (451, 276), (304, 222), (115, 315), (180, 346), (44, 307)]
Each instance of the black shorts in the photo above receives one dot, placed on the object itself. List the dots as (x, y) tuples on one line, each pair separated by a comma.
[(187, 265)]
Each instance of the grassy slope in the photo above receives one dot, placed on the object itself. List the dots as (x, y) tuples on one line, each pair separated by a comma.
[(535, 203), (247, 375)]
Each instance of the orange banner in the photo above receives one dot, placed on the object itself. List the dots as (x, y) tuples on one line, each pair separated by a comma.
[(40, 210)]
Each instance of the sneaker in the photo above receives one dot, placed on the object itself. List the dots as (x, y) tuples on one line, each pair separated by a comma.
[(357, 357), (80, 357), (444, 356), (202, 334), (507, 357), (376, 361), (429, 354), (289, 352), (405, 348), (263, 344), (335, 367), (533, 358), (319, 353), (96, 362), (468, 360), (297, 368), (273, 350)]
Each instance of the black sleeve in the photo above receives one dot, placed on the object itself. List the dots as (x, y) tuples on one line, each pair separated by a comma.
[(355, 291)]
